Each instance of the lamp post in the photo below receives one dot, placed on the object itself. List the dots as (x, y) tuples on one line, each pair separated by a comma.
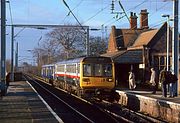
[(167, 38)]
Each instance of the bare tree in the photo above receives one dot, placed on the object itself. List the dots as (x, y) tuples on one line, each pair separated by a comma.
[(97, 46), (47, 52), (63, 43), (71, 40)]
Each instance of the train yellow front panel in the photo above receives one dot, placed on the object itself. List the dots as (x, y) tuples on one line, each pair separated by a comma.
[(95, 82)]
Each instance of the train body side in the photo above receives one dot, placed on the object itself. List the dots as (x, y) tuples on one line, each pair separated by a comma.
[(89, 74), (48, 71), (68, 71)]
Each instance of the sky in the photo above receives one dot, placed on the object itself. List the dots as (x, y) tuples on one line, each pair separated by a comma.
[(92, 13)]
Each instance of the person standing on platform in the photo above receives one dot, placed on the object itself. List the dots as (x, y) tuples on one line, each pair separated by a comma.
[(153, 80), (132, 84), (173, 80), (163, 81)]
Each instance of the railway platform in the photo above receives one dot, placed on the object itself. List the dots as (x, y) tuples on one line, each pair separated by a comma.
[(167, 109), (23, 104)]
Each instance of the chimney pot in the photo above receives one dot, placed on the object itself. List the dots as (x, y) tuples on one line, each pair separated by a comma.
[(131, 13), (133, 20)]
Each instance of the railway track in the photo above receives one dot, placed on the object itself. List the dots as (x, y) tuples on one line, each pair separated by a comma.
[(70, 108), (74, 109)]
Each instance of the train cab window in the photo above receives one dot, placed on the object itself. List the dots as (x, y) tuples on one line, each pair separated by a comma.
[(107, 69), (87, 70), (97, 70)]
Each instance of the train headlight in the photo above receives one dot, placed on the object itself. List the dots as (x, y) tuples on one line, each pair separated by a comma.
[(109, 79)]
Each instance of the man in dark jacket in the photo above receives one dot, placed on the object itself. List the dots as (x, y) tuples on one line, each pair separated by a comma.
[(163, 81), (173, 80)]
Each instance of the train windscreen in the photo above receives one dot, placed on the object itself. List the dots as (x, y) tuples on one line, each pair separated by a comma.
[(97, 70)]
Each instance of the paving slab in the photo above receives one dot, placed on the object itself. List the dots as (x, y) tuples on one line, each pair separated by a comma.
[(22, 104)]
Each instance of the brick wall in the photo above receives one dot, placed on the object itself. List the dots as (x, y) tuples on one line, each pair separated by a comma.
[(165, 110)]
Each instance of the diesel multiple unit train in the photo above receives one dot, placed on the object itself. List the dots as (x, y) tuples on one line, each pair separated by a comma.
[(90, 76)]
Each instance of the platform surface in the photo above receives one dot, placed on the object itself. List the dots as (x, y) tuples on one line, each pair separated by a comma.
[(22, 104), (148, 93)]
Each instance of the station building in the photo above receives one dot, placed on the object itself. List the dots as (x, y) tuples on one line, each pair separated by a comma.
[(138, 49)]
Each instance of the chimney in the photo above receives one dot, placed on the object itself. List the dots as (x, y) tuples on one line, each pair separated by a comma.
[(144, 19), (133, 21), (112, 44)]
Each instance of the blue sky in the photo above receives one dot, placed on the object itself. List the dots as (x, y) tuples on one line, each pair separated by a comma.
[(93, 13)]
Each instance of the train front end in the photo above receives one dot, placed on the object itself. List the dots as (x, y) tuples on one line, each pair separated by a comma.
[(97, 74)]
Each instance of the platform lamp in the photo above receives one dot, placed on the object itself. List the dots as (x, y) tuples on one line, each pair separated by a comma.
[(167, 51)]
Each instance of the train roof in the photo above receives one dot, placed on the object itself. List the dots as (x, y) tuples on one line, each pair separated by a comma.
[(76, 60), (48, 65), (90, 58)]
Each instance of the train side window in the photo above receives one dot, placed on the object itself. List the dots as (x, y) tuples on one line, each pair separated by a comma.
[(86, 70), (78, 68), (60, 68)]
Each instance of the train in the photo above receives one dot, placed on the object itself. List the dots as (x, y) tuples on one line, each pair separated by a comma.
[(85, 76)]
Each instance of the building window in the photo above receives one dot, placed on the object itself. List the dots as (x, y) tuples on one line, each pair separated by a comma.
[(159, 62)]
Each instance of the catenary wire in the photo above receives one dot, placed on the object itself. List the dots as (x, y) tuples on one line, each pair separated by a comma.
[(124, 16), (72, 10)]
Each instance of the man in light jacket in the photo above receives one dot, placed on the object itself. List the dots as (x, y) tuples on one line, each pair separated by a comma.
[(153, 80)]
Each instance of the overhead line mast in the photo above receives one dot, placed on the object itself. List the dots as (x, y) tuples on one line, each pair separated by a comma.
[(3, 48), (175, 44)]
